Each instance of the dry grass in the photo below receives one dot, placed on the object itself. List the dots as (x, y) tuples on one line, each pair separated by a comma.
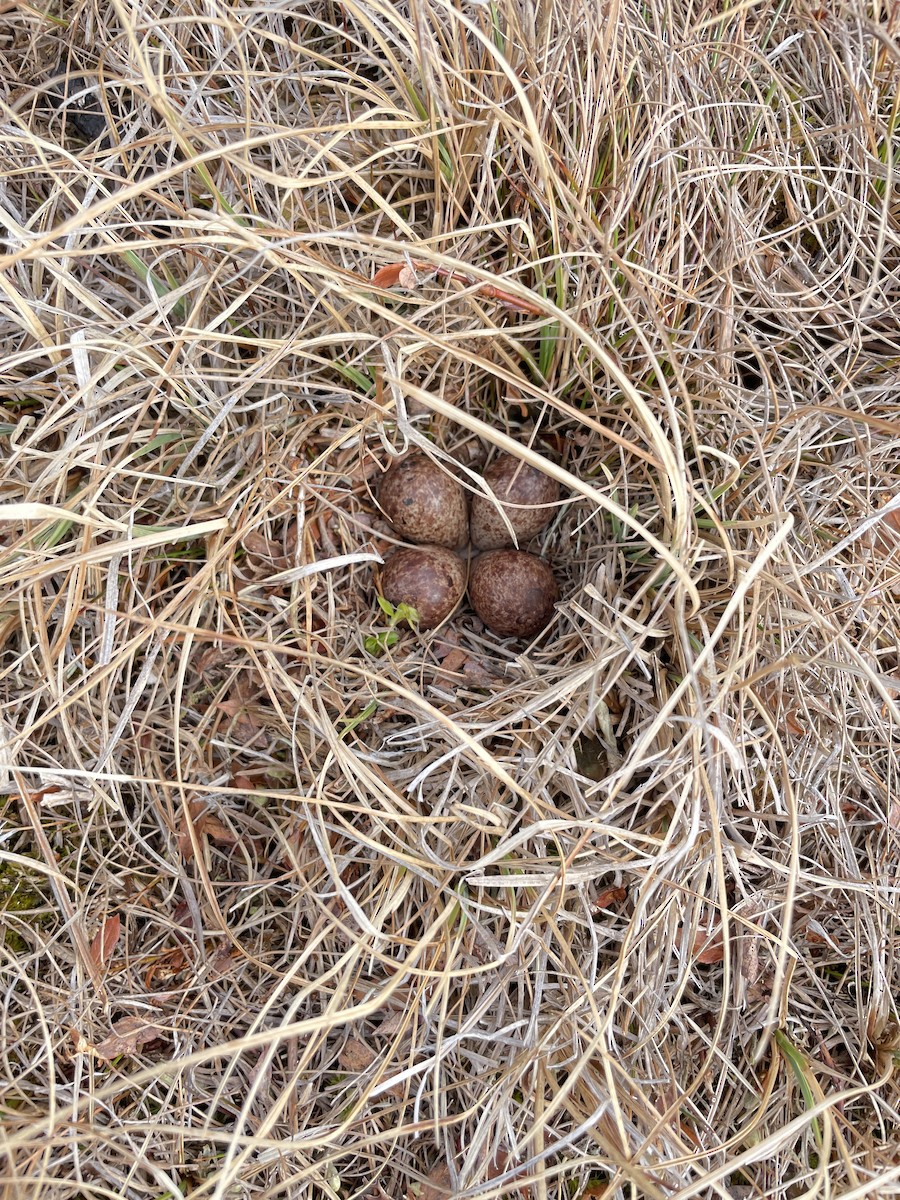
[(611, 916)]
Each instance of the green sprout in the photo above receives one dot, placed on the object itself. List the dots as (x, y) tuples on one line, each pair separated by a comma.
[(377, 643), (350, 723)]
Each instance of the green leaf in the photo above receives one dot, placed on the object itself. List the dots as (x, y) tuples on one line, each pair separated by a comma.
[(406, 612), (351, 722), (800, 1067), (379, 642), (386, 607)]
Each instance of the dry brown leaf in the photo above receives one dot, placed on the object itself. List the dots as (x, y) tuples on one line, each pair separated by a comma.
[(709, 947), (262, 547), (211, 659), (455, 661), (105, 940), (165, 968), (439, 1184), (886, 534), (479, 675), (190, 817), (206, 824), (224, 960), (80, 1043), (217, 830), (128, 1036), (608, 897), (356, 1056), (243, 714), (391, 1024), (390, 275)]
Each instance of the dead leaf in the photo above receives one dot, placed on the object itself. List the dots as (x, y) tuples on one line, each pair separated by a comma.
[(80, 1043), (237, 706), (182, 915), (389, 276), (205, 825), (407, 278), (455, 661), (217, 830), (191, 816), (709, 947), (608, 897), (885, 535), (128, 1036), (793, 725), (479, 675), (438, 1185), (356, 1056), (391, 1024), (224, 960), (105, 940), (165, 968), (263, 547), (210, 660)]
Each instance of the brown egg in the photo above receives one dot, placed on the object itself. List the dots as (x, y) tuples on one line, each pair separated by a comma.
[(513, 592), (431, 579), (514, 483), (424, 503)]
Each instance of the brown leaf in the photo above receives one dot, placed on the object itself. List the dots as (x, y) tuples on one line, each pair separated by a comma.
[(479, 675), (608, 897), (105, 940), (165, 969), (886, 534), (391, 1024), (455, 660), (211, 659), (127, 1037), (498, 1166), (793, 725), (708, 947), (205, 824), (262, 547), (356, 1056), (80, 1044), (439, 1184), (224, 960), (390, 275), (217, 830), (446, 644), (231, 705)]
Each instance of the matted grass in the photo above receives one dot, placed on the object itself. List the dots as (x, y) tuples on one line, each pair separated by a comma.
[(612, 915)]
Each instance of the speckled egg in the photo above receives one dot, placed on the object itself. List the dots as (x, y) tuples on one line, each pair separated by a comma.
[(423, 503), (519, 490), (513, 592), (431, 579)]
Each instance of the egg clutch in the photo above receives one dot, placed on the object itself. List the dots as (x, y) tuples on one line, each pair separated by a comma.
[(513, 592)]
